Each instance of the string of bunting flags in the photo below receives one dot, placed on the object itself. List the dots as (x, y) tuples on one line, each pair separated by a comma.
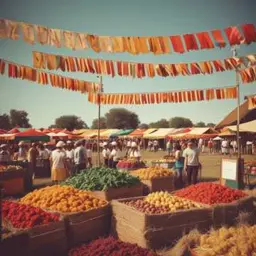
[(32, 33), (23, 72), (137, 70), (164, 97), (248, 75)]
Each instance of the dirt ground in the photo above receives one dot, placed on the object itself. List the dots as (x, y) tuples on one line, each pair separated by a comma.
[(210, 171)]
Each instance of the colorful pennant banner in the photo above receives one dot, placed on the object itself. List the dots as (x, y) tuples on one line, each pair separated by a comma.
[(163, 97), (252, 102), (137, 70), (31, 33), (27, 73), (248, 75)]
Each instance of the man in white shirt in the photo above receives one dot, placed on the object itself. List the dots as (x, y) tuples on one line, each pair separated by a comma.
[(114, 155), (191, 164), (234, 145), (135, 153), (70, 157), (80, 156), (106, 154), (155, 144), (224, 147)]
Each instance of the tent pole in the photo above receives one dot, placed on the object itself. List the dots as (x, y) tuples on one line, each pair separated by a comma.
[(234, 50), (99, 110)]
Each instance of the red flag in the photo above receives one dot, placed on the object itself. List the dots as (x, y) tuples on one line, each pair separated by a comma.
[(177, 44), (249, 33), (234, 36)]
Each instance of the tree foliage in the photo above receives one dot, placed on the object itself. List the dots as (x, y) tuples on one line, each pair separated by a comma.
[(19, 118), (69, 122), (162, 123), (143, 126), (180, 122), (121, 118), (103, 123), (5, 122), (200, 124), (211, 125)]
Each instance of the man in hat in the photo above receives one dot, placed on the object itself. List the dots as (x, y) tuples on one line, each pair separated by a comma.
[(58, 161), (114, 155), (70, 156), (191, 164), (5, 156), (105, 154), (80, 156), (32, 156)]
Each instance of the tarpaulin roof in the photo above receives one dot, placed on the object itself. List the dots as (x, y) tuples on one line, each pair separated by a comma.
[(32, 134), (2, 131), (246, 115), (14, 130), (159, 134), (196, 132), (108, 132), (7, 136), (80, 131), (245, 127), (90, 133), (137, 133), (122, 133), (149, 131)]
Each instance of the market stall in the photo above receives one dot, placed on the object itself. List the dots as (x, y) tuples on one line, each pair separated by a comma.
[(122, 133), (165, 162)]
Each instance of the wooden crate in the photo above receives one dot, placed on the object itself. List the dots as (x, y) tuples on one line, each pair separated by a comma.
[(12, 182), (49, 239), (116, 193), (86, 226), (159, 184), (157, 230), (14, 244)]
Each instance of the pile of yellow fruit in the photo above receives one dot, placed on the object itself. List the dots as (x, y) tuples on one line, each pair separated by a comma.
[(174, 203), (228, 241), (153, 172), (62, 199)]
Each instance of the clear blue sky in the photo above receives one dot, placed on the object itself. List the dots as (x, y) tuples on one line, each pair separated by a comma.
[(120, 17)]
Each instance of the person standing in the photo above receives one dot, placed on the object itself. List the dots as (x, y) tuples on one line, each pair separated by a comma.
[(80, 156), (43, 161), (70, 157), (224, 147), (168, 147), (22, 152), (114, 155), (106, 154), (89, 155), (5, 156), (155, 144), (179, 164), (210, 146), (135, 153), (191, 164), (58, 161), (32, 156)]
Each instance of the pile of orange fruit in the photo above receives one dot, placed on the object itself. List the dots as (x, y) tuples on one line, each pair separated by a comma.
[(64, 199)]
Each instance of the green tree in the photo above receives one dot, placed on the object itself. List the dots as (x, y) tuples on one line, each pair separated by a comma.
[(180, 122), (200, 124), (163, 123), (121, 118), (19, 118), (211, 125), (143, 126), (69, 122), (103, 123), (5, 122)]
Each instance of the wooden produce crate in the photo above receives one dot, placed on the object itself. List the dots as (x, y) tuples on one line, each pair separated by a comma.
[(86, 226), (157, 230), (14, 244), (49, 239), (160, 184), (116, 193), (12, 182), (227, 214)]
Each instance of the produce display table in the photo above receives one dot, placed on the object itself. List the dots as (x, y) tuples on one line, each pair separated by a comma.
[(160, 184)]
